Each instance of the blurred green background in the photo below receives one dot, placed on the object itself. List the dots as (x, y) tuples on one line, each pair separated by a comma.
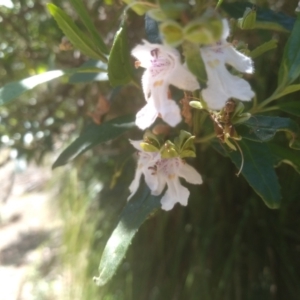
[(225, 245)]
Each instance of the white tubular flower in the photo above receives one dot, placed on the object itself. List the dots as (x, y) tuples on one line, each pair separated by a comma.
[(145, 165), (221, 84), (163, 67), (161, 171)]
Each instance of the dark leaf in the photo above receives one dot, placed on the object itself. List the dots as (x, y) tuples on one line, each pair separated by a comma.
[(292, 108), (152, 31), (258, 170), (133, 216), (290, 65), (281, 154), (236, 10), (94, 135), (263, 129)]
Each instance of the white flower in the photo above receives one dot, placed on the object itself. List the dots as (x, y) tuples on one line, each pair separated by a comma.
[(221, 84), (161, 171), (163, 67)]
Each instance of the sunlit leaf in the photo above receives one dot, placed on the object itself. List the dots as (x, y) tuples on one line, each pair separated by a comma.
[(119, 62), (133, 216), (139, 7), (258, 170), (78, 38), (92, 70), (93, 135), (85, 17), (172, 33), (13, 90), (263, 129)]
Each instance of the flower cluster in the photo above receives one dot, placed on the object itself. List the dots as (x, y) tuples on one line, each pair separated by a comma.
[(163, 68), (159, 172)]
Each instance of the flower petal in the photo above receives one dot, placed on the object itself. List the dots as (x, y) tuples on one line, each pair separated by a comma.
[(135, 183), (238, 60), (161, 180), (175, 193), (151, 180), (170, 112), (183, 79), (136, 144), (222, 85), (146, 116), (189, 174)]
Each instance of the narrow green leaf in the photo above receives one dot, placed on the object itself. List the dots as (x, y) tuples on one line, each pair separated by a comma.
[(119, 61), (91, 70), (94, 135), (133, 216), (281, 154), (287, 90), (270, 26), (13, 90), (195, 63), (85, 17), (219, 3), (264, 128), (78, 38), (290, 65), (267, 46), (292, 108), (258, 170)]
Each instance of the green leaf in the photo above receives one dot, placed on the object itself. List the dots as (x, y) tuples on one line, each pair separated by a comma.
[(91, 70), (258, 171), (281, 154), (195, 63), (78, 38), (172, 33), (264, 128), (287, 90), (168, 150), (119, 61), (138, 7), (173, 10), (266, 15), (248, 20), (94, 135), (290, 65), (85, 17), (203, 31), (267, 46), (133, 216), (269, 26), (157, 14), (15, 89), (292, 108)]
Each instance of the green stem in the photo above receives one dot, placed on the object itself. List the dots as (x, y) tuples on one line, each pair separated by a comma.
[(205, 139)]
